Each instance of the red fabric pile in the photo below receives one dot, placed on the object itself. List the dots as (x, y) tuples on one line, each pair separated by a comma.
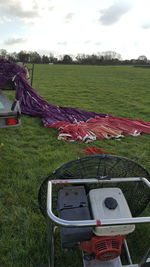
[(93, 150), (100, 128)]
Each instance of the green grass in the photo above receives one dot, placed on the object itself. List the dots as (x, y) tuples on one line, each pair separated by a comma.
[(31, 152)]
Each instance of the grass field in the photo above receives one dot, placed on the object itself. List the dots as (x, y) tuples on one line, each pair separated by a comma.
[(31, 152)]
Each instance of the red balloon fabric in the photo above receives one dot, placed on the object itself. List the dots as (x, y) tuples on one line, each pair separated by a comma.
[(100, 128), (93, 150)]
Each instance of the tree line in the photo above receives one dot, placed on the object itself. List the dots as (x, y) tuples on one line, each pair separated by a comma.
[(104, 58)]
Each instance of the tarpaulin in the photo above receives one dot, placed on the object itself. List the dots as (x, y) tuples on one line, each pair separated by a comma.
[(73, 124)]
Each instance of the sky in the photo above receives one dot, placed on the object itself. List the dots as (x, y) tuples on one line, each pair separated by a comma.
[(76, 27)]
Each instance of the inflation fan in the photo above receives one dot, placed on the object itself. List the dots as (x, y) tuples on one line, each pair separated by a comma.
[(96, 203)]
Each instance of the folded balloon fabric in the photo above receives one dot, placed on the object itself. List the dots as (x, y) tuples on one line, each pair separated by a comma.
[(100, 128), (72, 124), (93, 150)]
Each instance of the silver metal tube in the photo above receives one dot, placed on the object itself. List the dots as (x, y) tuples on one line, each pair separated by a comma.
[(96, 181), (127, 252), (145, 181), (85, 223), (146, 259)]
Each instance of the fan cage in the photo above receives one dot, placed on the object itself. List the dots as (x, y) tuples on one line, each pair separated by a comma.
[(101, 167)]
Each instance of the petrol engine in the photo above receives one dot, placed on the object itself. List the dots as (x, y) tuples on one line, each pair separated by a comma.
[(101, 243)]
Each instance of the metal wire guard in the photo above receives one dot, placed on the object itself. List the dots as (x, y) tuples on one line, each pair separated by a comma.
[(103, 167)]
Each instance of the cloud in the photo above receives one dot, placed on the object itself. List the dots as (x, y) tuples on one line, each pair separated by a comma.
[(14, 8), (98, 43), (69, 17), (51, 8), (91, 42), (62, 43), (87, 41), (114, 13), (4, 19), (12, 41), (146, 26)]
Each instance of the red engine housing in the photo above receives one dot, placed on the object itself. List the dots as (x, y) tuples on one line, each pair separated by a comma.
[(103, 247)]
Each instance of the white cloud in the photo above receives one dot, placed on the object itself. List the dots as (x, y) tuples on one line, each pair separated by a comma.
[(26, 11), (87, 41), (114, 13), (15, 8), (4, 19), (12, 41), (69, 17), (62, 43), (146, 26), (97, 43), (72, 27)]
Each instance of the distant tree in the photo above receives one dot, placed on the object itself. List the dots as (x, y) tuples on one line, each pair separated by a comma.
[(85, 59), (67, 59), (3, 53), (142, 58), (80, 58), (110, 55), (13, 56), (96, 59), (35, 57), (52, 59), (24, 56), (45, 59)]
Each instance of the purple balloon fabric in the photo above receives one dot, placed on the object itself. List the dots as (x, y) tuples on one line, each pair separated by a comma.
[(33, 104)]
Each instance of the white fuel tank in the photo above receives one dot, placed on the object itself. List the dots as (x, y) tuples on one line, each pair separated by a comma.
[(110, 203)]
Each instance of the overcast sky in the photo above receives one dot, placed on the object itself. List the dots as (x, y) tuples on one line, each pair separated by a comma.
[(76, 26)]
